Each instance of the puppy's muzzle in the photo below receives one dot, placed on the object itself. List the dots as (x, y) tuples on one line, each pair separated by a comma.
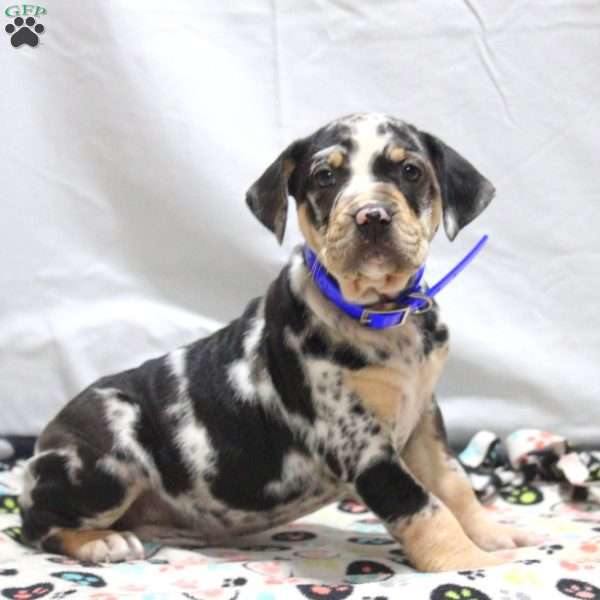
[(373, 221)]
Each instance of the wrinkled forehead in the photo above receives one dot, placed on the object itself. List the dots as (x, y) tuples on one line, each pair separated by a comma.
[(357, 140)]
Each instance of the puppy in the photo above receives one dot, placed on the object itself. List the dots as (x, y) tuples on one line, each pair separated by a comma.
[(301, 399)]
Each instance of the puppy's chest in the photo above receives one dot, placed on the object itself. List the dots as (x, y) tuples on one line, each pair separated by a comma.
[(395, 385)]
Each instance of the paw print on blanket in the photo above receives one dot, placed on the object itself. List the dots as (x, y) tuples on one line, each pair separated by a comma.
[(81, 577), (325, 592), (575, 588), (236, 582), (451, 591), (473, 575), (551, 548), (367, 571), (31, 592), (264, 548), (294, 536), (372, 541), (522, 495), (14, 533), (9, 505)]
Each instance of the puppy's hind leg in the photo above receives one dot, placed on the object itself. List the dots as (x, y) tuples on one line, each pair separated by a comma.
[(95, 545), (71, 497)]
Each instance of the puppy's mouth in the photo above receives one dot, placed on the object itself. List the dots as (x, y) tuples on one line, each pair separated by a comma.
[(373, 266), (380, 259), (374, 274)]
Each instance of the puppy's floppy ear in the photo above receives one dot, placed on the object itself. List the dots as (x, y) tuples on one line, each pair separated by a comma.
[(465, 191), (268, 196)]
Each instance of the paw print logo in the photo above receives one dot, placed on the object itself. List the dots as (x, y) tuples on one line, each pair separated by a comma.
[(24, 31), (575, 588), (522, 495)]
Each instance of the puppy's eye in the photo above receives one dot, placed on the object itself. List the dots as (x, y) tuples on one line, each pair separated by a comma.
[(411, 172), (325, 177)]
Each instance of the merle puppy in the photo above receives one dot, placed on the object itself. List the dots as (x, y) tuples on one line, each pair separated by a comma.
[(296, 402)]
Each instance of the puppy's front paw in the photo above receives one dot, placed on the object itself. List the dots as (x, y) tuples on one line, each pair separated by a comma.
[(489, 535)]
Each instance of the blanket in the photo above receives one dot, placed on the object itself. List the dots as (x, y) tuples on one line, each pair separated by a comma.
[(341, 551)]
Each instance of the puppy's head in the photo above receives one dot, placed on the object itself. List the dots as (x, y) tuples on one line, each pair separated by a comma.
[(371, 192)]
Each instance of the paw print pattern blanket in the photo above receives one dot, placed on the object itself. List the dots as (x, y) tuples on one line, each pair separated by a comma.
[(342, 551)]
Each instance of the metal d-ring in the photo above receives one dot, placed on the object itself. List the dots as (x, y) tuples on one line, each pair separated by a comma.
[(427, 299)]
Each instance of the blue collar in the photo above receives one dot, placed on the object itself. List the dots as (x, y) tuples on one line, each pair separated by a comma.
[(415, 298)]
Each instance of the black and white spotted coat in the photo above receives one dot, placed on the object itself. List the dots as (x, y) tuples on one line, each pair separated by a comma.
[(248, 428)]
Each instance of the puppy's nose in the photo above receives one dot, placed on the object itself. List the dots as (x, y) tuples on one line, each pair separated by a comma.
[(372, 221)]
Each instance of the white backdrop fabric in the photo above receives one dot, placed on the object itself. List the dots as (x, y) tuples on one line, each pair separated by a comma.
[(130, 134)]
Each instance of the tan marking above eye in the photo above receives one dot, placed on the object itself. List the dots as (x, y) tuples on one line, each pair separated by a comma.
[(396, 154), (335, 159), (333, 156)]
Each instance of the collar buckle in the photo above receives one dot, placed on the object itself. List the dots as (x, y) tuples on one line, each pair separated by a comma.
[(365, 316)]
